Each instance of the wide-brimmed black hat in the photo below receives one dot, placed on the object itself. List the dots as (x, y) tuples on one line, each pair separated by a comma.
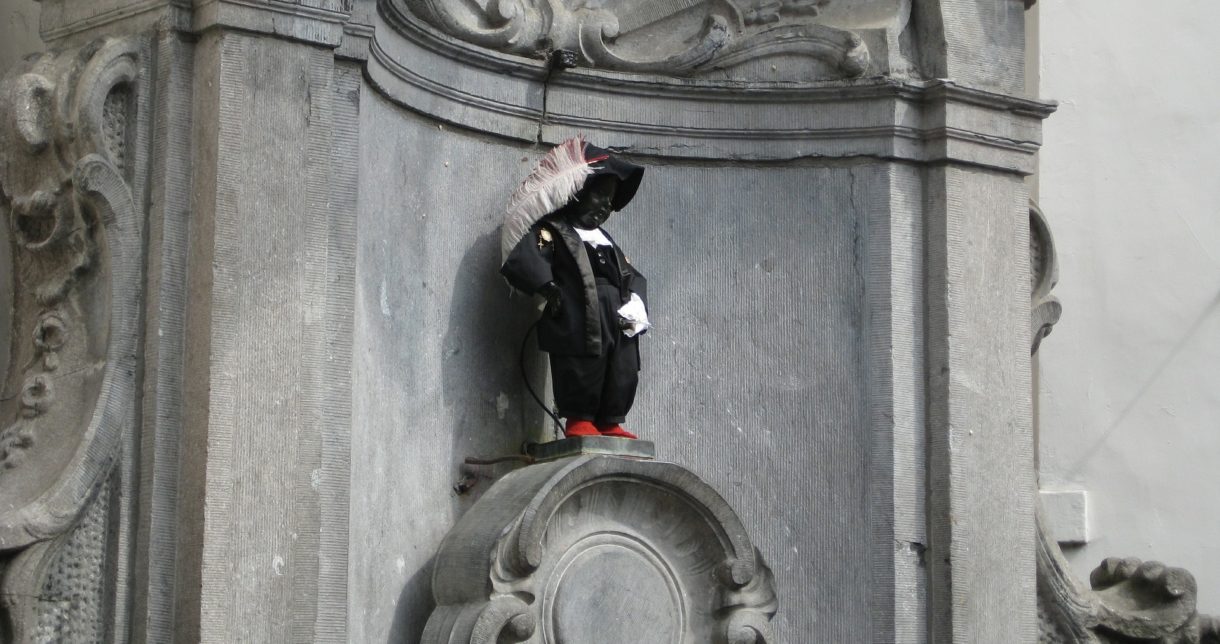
[(603, 163), (555, 183)]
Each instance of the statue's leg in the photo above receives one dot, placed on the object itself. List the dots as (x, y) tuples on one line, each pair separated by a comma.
[(577, 382), (620, 382)]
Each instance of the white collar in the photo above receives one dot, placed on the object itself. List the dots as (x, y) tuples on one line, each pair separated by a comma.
[(593, 237)]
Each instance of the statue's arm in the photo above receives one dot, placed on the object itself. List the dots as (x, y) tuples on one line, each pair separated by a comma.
[(638, 284), (528, 267)]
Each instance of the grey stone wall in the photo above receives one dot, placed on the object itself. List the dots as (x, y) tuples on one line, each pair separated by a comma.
[(268, 322), (755, 375), (20, 19), (435, 369), (833, 223)]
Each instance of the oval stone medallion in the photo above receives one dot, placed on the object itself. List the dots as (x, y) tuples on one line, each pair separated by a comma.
[(614, 591)]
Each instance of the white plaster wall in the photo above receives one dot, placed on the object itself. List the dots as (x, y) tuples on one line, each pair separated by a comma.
[(18, 30), (1130, 182)]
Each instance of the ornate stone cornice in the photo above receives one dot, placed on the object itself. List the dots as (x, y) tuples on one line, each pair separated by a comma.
[(73, 22), (658, 36), (451, 80), (318, 22)]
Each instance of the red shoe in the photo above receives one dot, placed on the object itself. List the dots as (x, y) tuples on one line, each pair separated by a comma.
[(616, 431), (577, 427)]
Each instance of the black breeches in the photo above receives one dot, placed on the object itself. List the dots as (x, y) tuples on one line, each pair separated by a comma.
[(599, 388)]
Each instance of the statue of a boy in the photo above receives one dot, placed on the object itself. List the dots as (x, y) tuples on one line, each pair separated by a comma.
[(554, 246)]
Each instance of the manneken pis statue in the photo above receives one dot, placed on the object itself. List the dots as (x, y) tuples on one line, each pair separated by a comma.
[(553, 245)]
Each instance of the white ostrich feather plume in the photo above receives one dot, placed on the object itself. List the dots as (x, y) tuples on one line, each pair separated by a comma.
[(550, 186)]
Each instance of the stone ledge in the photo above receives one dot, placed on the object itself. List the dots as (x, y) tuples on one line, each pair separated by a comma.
[(316, 22), (583, 445), (319, 25), (66, 23)]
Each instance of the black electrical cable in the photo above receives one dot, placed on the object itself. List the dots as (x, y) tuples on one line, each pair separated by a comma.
[(525, 378)]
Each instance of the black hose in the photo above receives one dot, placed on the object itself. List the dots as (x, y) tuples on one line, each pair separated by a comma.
[(528, 386)]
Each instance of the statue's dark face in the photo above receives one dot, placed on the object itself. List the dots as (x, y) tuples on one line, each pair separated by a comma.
[(592, 207)]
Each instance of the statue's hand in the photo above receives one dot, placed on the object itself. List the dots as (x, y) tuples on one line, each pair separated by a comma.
[(554, 306)]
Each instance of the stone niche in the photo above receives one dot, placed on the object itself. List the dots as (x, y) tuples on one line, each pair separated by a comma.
[(790, 231), (763, 402)]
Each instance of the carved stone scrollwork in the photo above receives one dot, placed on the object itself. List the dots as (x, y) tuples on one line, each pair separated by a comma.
[(676, 37), (1128, 600), (74, 232), (1044, 274), (600, 549)]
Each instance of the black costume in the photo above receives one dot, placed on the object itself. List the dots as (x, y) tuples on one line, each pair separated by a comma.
[(594, 365)]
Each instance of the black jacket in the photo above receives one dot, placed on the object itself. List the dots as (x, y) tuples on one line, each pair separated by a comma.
[(553, 252)]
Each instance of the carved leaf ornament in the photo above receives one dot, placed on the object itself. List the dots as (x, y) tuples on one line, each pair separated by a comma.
[(677, 37), (72, 236)]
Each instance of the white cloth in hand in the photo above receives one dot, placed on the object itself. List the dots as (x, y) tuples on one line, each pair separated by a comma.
[(634, 317)]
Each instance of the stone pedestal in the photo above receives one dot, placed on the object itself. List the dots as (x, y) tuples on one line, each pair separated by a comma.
[(600, 549)]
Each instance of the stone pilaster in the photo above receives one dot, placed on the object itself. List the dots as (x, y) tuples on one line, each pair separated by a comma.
[(228, 494), (981, 474), (981, 478), (264, 485)]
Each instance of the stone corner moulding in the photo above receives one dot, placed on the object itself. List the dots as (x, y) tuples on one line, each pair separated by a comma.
[(544, 553), (317, 22), (74, 22)]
